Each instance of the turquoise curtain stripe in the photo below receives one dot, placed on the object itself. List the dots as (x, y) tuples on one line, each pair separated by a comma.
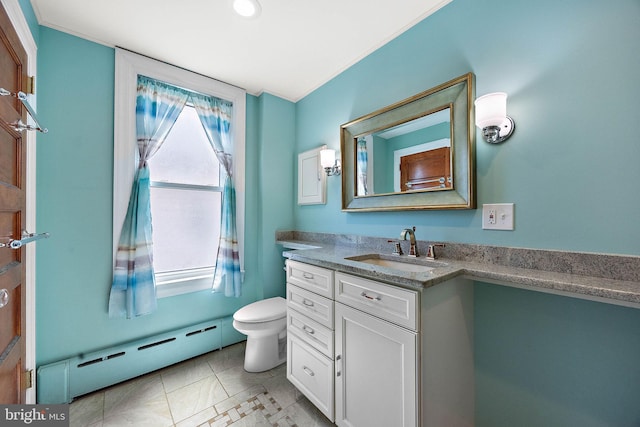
[(133, 290), (215, 116), (228, 277), (361, 163), (158, 106)]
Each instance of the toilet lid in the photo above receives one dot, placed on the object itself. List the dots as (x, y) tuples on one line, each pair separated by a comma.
[(262, 311)]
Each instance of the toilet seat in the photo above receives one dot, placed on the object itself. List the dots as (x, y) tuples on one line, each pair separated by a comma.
[(262, 311)]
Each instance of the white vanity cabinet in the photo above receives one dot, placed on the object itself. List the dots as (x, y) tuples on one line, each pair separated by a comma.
[(399, 357), (310, 338), (376, 365)]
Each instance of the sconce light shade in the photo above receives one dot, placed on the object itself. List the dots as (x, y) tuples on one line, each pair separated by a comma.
[(491, 117), (327, 157), (329, 162), (247, 8)]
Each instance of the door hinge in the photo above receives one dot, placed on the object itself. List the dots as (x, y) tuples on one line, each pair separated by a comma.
[(28, 379), (31, 85)]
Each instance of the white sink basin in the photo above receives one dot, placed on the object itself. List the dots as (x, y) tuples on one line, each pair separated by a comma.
[(413, 265)]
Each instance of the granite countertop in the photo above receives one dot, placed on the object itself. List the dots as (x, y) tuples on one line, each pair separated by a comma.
[(601, 277)]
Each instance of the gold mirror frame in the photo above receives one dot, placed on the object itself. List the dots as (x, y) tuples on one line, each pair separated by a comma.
[(457, 94)]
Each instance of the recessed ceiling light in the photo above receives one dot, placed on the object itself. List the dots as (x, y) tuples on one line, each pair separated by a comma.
[(247, 8)]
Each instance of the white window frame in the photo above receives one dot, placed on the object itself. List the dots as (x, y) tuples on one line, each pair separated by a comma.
[(128, 66)]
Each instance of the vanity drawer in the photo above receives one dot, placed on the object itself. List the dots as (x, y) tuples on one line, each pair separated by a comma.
[(312, 305), (311, 373), (311, 332), (310, 277), (387, 302)]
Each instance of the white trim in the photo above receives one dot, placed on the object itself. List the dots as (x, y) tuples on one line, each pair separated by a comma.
[(21, 26), (183, 282), (127, 67)]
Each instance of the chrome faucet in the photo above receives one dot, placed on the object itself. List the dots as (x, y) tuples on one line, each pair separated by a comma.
[(413, 249)]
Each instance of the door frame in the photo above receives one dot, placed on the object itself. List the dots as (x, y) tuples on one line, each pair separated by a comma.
[(19, 22)]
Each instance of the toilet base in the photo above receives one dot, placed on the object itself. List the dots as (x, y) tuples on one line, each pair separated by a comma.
[(264, 353)]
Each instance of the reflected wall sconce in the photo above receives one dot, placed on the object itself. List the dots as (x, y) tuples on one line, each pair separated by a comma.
[(247, 8), (329, 162), (491, 117)]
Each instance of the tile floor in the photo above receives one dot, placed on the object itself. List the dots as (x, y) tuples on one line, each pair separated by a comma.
[(209, 390)]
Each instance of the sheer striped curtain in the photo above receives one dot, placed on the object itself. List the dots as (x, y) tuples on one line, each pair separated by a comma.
[(215, 115), (362, 162), (133, 290)]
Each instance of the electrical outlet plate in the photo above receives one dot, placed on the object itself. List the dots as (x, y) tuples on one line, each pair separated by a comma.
[(498, 216)]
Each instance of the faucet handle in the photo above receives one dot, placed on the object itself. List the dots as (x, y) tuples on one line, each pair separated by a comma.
[(431, 250), (413, 250), (397, 249)]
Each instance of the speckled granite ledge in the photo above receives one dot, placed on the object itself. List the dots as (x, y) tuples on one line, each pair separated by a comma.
[(602, 277)]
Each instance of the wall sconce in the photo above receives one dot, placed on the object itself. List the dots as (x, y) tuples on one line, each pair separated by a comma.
[(491, 117), (329, 162)]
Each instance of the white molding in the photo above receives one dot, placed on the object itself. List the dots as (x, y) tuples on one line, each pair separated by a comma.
[(21, 26), (183, 282), (127, 67)]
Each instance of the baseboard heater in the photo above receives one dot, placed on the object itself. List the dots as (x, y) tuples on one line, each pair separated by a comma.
[(62, 381)]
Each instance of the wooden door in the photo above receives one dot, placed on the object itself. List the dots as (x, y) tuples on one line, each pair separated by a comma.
[(13, 63), (426, 170)]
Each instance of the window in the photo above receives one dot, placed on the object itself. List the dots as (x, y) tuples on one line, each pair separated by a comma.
[(186, 178)]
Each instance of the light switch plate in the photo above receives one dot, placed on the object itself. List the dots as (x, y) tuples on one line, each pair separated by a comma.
[(498, 216)]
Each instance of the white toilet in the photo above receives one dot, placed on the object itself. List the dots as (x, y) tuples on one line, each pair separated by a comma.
[(265, 325)]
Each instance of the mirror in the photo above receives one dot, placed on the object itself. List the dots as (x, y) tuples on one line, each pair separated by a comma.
[(412, 156), (415, 154)]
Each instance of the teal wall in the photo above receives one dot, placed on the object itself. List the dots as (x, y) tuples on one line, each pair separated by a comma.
[(570, 70), (571, 168), (74, 199), (546, 360), (275, 188)]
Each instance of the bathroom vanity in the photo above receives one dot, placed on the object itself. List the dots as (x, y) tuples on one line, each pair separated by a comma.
[(370, 353), (378, 340)]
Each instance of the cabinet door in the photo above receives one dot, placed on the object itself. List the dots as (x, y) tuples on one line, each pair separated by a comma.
[(376, 371), (312, 181), (312, 373)]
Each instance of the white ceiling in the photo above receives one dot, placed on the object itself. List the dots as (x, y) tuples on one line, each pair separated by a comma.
[(292, 48)]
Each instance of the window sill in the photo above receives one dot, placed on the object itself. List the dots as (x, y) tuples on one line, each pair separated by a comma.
[(183, 282)]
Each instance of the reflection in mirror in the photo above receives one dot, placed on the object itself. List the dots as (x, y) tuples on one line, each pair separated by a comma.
[(388, 164), (411, 156)]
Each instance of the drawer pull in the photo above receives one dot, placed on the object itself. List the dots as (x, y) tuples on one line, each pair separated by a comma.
[(307, 276), (338, 367), (376, 298), (307, 302), (308, 330), (308, 371)]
